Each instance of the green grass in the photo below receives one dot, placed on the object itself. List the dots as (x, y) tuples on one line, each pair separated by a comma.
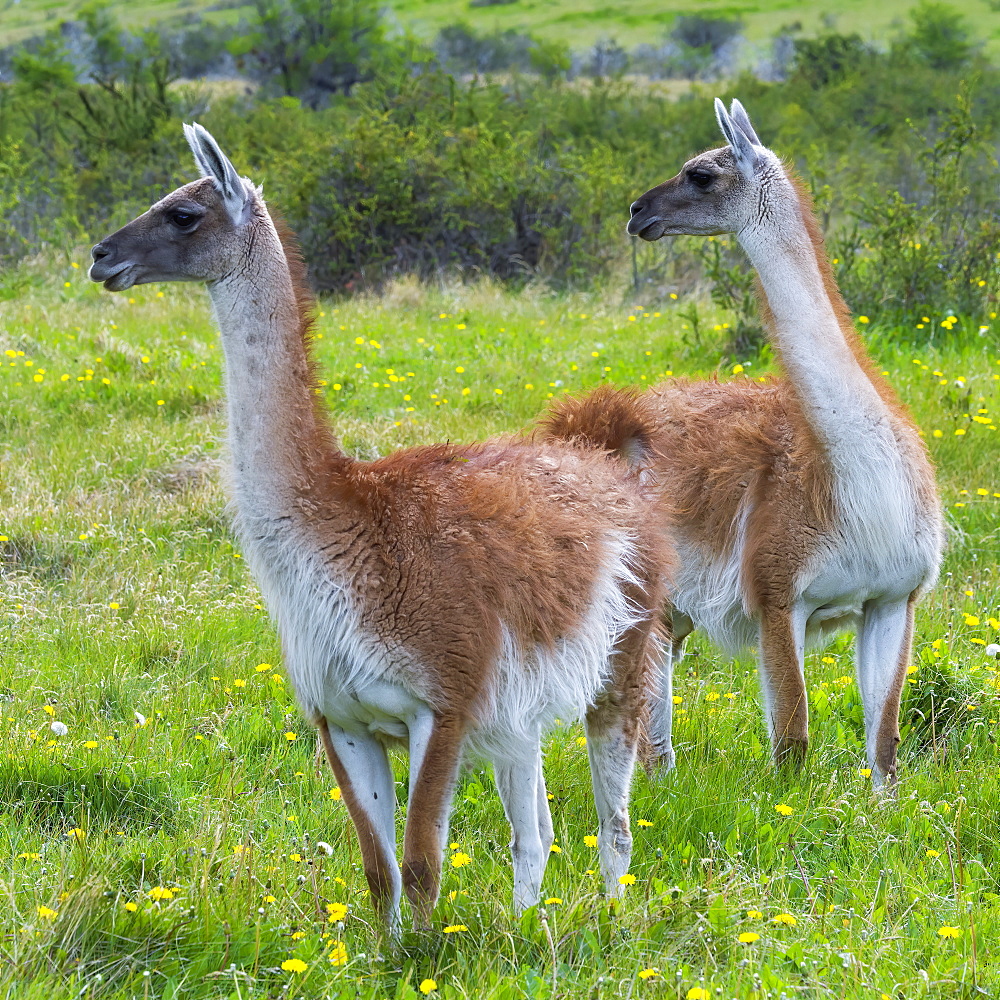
[(579, 23), (122, 593)]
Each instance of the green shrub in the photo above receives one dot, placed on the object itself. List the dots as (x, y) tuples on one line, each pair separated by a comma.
[(933, 251)]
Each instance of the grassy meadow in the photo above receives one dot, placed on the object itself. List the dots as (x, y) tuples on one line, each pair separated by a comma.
[(166, 831), (580, 22)]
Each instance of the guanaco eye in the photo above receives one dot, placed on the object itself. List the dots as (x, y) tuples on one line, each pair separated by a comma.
[(183, 220), (700, 178)]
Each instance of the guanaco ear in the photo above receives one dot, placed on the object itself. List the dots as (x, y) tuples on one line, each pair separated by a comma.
[(739, 117), (212, 162), (739, 141)]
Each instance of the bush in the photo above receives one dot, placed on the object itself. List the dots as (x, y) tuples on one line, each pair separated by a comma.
[(698, 32), (311, 49), (819, 62), (903, 258), (940, 36)]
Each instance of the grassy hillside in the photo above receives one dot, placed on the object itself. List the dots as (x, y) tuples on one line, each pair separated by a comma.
[(167, 844), (579, 23)]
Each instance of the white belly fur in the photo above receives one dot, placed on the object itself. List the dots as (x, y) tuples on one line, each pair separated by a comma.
[(350, 677), (881, 549)]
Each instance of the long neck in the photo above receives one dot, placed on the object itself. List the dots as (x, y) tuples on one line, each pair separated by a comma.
[(826, 363), (279, 443)]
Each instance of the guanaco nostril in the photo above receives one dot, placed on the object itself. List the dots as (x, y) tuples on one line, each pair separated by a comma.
[(99, 252)]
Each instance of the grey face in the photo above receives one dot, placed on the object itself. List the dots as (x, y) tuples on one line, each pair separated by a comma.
[(727, 190), (188, 236), (704, 199)]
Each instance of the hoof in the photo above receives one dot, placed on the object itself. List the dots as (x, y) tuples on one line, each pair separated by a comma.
[(657, 759), (790, 753)]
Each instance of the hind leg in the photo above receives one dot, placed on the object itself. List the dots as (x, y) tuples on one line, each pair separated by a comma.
[(545, 832), (782, 679), (612, 737), (612, 725), (884, 645), (661, 704)]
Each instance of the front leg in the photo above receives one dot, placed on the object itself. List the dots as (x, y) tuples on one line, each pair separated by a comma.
[(361, 767), (522, 790), (884, 646), (427, 814), (782, 680)]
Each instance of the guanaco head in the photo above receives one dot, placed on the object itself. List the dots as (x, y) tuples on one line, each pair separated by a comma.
[(200, 232), (729, 190)]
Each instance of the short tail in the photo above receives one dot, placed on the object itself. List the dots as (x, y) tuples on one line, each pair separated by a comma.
[(610, 419)]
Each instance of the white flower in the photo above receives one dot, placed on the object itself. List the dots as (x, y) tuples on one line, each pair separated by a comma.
[(993, 649), (323, 846), (59, 728)]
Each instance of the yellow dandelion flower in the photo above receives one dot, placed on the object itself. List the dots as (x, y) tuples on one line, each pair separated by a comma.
[(294, 965)]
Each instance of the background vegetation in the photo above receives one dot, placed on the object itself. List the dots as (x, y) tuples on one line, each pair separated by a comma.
[(461, 196), (505, 155)]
